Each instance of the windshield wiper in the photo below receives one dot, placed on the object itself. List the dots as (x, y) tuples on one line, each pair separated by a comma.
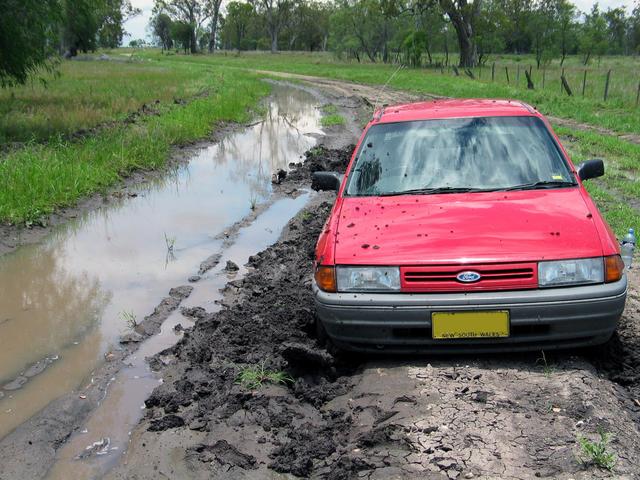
[(541, 185), (435, 190)]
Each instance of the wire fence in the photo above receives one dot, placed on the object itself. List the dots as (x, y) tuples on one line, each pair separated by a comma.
[(611, 85)]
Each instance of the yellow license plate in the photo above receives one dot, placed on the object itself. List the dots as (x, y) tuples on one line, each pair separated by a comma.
[(452, 325)]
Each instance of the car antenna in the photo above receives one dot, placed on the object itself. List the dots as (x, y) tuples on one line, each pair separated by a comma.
[(375, 106)]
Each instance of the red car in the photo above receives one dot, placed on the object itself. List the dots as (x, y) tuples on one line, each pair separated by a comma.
[(463, 225)]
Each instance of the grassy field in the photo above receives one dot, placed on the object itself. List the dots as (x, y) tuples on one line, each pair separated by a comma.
[(194, 92), (616, 114), (88, 93), (38, 178)]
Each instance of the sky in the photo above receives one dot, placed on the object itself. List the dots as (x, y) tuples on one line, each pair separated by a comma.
[(137, 27)]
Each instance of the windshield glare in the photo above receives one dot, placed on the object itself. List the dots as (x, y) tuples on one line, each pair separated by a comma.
[(486, 153)]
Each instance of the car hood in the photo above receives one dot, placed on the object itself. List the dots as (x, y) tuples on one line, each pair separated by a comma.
[(469, 228)]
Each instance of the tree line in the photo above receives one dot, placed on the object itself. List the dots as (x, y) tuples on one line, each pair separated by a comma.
[(401, 31), (34, 33)]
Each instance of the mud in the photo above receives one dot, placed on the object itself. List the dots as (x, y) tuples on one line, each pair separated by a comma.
[(365, 417), (32, 446)]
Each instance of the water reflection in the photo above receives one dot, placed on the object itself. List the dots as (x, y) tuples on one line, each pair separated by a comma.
[(64, 297)]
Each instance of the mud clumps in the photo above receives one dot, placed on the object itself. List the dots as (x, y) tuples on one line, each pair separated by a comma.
[(321, 159), (265, 325), (222, 453), (307, 443), (168, 421)]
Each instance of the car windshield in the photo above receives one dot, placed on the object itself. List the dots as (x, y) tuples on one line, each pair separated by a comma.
[(458, 155)]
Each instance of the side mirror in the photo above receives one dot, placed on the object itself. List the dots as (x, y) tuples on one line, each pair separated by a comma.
[(326, 181), (591, 169)]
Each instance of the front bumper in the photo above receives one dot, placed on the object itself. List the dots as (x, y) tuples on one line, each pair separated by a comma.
[(540, 319)]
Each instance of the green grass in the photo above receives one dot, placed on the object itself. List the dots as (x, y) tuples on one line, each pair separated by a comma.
[(37, 179), (597, 452), (255, 376), (616, 193), (89, 93), (618, 114), (333, 119)]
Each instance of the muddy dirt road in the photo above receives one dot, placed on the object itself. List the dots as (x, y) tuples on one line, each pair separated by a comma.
[(517, 416), (491, 416)]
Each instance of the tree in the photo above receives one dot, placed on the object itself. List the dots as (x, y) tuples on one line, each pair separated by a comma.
[(567, 27), (161, 27), (237, 24), (213, 9), (113, 14), (81, 22), (188, 12), (634, 29), (488, 31), (543, 27), (463, 16), (26, 38), (617, 26), (593, 35), (275, 12), (182, 33), (515, 26)]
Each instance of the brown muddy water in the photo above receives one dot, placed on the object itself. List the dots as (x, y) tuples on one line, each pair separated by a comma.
[(64, 303)]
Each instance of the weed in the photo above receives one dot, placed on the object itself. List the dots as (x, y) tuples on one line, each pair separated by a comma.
[(330, 109), (253, 202), (170, 242), (129, 318), (546, 368), (330, 120), (597, 452), (306, 216), (255, 376)]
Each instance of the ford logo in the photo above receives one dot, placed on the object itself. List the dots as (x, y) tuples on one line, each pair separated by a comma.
[(468, 277)]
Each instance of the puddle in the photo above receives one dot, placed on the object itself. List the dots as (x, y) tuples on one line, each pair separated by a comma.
[(105, 436), (64, 299)]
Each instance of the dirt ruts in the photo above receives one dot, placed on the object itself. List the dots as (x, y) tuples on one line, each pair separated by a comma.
[(493, 416)]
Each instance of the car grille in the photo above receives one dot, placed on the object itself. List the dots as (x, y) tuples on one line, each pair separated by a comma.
[(443, 278)]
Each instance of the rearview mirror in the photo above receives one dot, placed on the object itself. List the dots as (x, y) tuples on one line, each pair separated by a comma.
[(326, 181), (591, 169)]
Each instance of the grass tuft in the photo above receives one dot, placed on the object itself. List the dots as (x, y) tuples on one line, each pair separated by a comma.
[(331, 120), (255, 376), (597, 452), (129, 318)]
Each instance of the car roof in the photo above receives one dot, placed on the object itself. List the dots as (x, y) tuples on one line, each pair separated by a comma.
[(453, 108)]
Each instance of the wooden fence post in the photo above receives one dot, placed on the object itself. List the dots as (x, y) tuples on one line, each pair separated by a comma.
[(527, 74), (564, 84), (584, 81), (493, 71), (506, 69), (606, 86), (561, 77)]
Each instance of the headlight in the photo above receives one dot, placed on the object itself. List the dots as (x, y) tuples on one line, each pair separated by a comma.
[(368, 279), (570, 272)]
